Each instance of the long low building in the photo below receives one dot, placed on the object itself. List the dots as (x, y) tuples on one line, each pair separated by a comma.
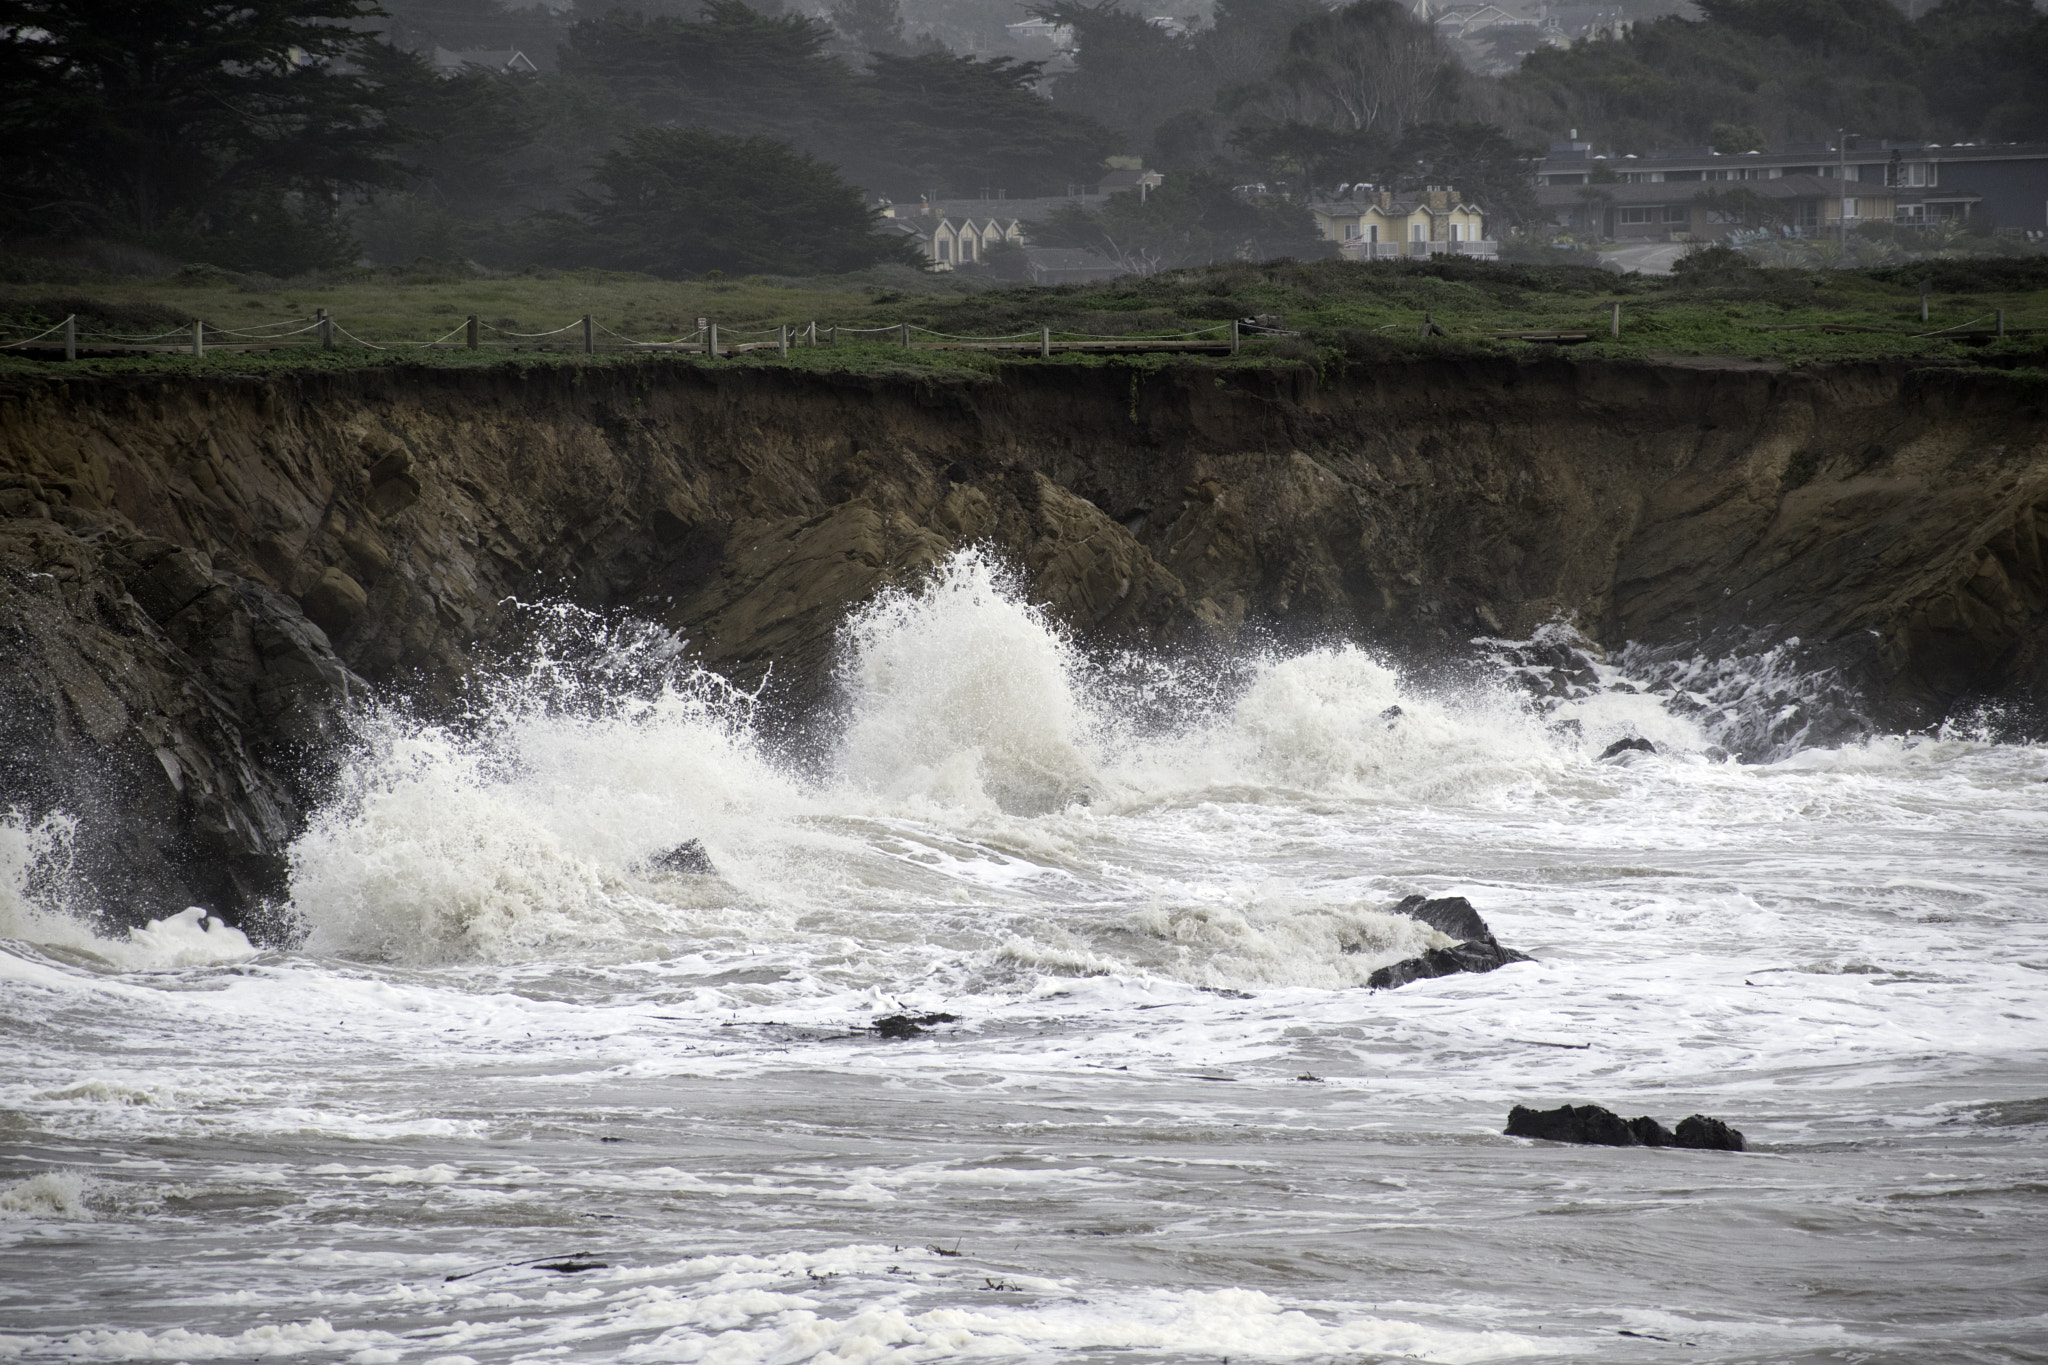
[(1867, 180), (1691, 210)]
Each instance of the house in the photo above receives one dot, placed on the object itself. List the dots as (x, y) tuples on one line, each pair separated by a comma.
[(1123, 181), (1915, 182), (506, 61), (1057, 36), (1700, 210), (1368, 223), (950, 238)]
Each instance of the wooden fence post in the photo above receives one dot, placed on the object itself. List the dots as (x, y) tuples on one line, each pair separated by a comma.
[(835, 335), (1923, 300), (1614, 326), (711, 343), (1045, 341), (2001, 322), (1234, 340), (906, 336), (589, 336), (471, 336), (198, 338), (324, 328), (71, 337), (782, 339)]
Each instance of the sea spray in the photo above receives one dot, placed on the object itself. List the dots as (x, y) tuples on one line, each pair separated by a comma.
[(541, 821), (961, 692), (976, 745)]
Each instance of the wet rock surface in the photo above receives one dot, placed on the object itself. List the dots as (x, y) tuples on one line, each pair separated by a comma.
[(911, 1025), (1454, 917), (1595, 1125), (685, 859)]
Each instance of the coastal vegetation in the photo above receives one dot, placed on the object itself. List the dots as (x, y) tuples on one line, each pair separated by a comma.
[(1716, 305)]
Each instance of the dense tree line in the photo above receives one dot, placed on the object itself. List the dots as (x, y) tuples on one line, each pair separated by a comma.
[(683, 135), (1752, 72)]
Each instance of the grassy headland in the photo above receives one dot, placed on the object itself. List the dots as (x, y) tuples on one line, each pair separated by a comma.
[(1337, 310)]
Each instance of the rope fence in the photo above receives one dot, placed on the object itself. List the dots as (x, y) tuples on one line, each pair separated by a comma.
[(587, 335)]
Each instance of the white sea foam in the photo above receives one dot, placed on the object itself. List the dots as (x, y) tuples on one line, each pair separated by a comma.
[(50, 1196), (35, 908), (1166, 1124)]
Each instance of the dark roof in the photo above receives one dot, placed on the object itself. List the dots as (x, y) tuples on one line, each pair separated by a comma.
[(1685, 191)]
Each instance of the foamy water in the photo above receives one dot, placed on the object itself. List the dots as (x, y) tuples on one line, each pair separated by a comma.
[(516, 1089)]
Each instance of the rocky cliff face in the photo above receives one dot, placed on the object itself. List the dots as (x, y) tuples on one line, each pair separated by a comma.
[(197, 575)]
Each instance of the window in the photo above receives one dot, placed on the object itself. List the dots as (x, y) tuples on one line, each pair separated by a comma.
[(1635, 215), (1351, 232), (1806, 213), (1417, 234), (1677, 213), (1454, 232), (945, 249)]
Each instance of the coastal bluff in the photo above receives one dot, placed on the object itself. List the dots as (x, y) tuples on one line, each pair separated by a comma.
[(199, 575)]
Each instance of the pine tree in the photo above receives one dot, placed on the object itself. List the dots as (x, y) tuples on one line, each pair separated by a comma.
[(158, 115)]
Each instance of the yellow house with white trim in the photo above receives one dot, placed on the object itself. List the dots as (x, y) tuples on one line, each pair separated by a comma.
[(1368, 223)]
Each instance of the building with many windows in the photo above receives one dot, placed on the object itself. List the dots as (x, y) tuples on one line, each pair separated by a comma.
[(1691, 192)]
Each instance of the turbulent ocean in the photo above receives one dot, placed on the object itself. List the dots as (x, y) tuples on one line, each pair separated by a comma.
[(521, 1073)]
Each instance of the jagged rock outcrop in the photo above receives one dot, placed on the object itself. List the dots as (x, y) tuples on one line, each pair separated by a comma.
[(1476, 949), (180, 714), (378, 520)]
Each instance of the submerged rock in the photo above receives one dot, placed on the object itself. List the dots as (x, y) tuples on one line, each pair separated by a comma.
[(911, 1025), (1591, 1124), (1454, 917), (1622, 746), (687, 857), (1465, 957)]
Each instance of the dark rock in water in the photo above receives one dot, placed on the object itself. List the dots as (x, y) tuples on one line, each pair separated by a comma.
[(1591, 1124), (1622, 746), (1392, 714), (1583, 1123), (1651, 1133), (1709, 1135), (573, 1266), (1454, 917), (1450, 915), (684, 857), (911, 1025), (1477, 956)]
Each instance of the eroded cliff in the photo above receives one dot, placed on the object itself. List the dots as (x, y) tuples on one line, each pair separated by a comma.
[(196, 574)]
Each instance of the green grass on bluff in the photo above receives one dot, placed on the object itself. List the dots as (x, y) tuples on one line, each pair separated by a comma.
[(1340, 311)]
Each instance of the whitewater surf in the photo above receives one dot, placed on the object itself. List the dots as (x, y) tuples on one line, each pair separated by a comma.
[(503, 1081)]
